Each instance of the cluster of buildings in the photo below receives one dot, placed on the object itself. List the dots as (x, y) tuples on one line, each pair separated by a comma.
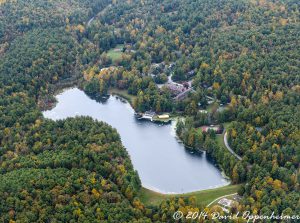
[(227, 204), (218, 129), (159, 68), (175, 88), (179, 91), (152, 116)]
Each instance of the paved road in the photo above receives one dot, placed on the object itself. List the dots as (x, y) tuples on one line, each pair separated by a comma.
[(229, 148)]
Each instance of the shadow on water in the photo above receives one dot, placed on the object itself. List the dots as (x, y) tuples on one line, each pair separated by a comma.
[(102, 99)]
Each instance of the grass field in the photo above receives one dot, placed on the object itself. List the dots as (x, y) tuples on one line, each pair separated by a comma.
[(220, 138), (212, 106), (122, 93), (115, 53), (203, 197)]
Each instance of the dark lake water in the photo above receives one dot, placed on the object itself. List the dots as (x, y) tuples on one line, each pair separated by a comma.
[(162, 162)]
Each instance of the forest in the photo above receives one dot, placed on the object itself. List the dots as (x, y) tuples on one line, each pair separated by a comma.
[(241, 54)]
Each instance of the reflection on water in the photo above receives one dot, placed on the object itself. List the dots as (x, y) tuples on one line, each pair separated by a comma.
[(162, 162)]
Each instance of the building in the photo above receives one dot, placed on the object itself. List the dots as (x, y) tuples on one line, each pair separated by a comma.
[(157, 68), (148, 115), (109, 69), (179, 91), (183, 94), (226, 202), (216, 128), (171, 66), (191, 74), (165, 116), (175, 88)]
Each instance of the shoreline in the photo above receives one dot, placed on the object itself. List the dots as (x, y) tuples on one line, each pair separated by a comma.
[(154, 190), (173, 122), (203, 197), (186, 193)]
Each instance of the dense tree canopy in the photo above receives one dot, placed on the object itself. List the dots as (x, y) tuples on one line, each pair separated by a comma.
[(243, 54)]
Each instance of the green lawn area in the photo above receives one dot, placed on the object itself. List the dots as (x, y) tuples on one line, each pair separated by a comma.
[(220, 137), (115, 53), (212, 106), (220, 140), (123, 94), (203, 197)]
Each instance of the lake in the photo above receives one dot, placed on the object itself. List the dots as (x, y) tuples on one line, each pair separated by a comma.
[(163, 164)]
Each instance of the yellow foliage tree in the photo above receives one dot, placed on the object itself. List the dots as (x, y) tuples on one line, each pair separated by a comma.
[(233, 102), (96, 193), (216, 85), (204, 66), (278, 95), (277, 184)]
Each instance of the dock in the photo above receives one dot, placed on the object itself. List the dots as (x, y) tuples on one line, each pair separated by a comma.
[(153, 117), (147, 115)]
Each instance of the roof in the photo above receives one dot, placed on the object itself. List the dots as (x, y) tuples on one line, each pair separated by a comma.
[(214, 128), (164, 116), (183, 94), (149, 113), (175, 87), (226, 202)]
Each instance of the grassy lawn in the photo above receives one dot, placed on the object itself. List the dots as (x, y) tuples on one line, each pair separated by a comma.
[(123, 94), (203, 197), (220, 138), (115, 53), (212, 106)]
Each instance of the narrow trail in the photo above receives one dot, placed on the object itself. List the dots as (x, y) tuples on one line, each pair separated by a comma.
[(91, 20), (98, 14)]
